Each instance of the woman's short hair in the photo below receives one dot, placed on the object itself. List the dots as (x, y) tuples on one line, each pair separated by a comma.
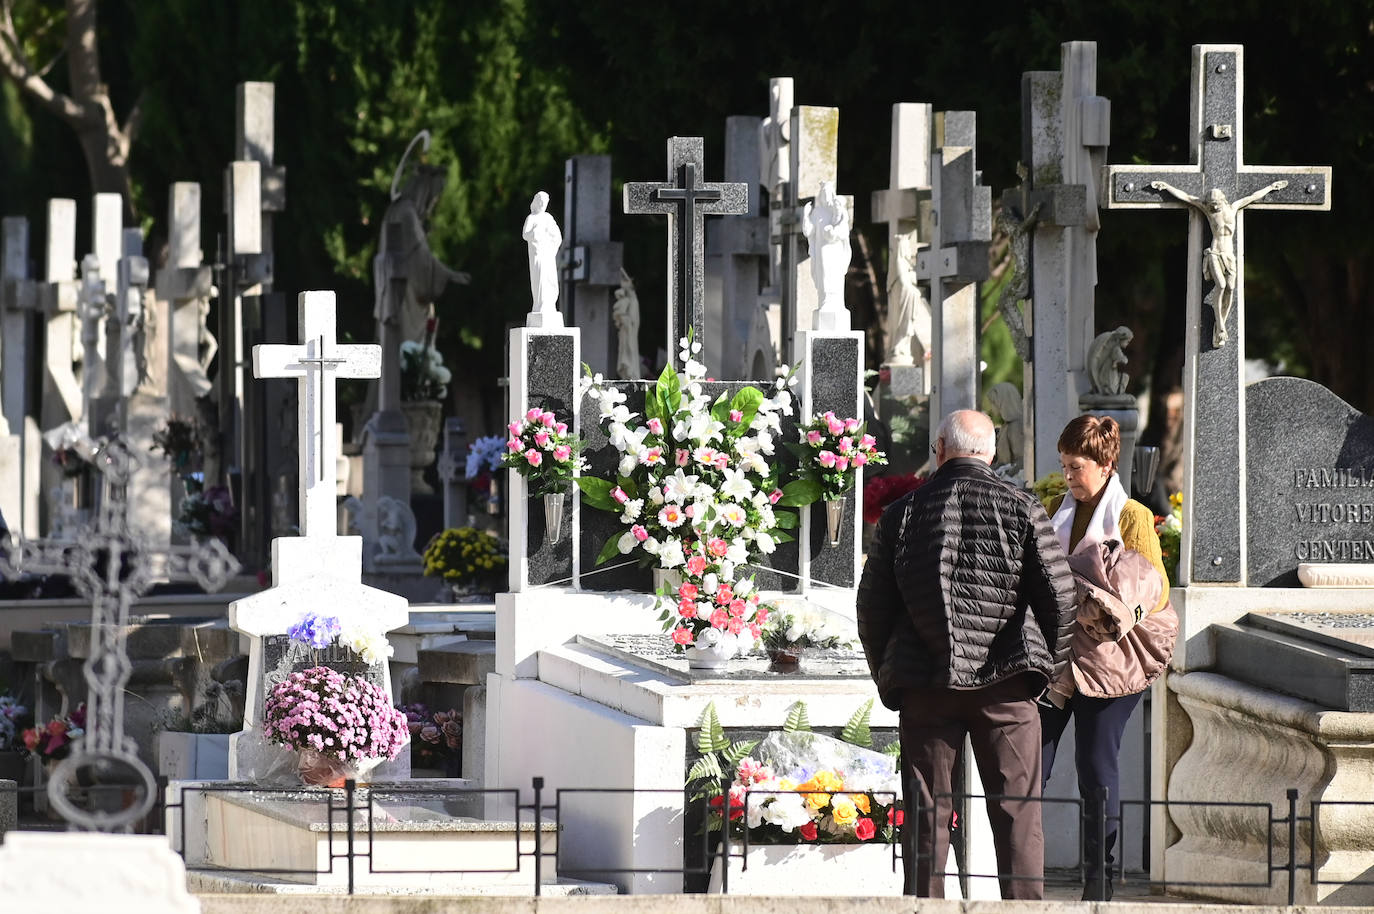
[(1096, 437)]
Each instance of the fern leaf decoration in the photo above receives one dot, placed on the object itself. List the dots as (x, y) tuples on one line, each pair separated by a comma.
[(796, 721), (857, 730), (711, 735)]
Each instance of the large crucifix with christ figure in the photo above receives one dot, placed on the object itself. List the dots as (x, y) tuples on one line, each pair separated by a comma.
[(317, 357), (686, 200), (1216, 187)]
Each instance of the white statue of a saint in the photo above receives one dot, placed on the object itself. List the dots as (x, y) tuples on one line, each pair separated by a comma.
[(1219, 261), (908, 313), (542, 235), (625, 316), (825, 223)]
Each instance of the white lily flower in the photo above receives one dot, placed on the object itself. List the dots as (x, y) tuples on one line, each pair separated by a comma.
[(736, 484), (679, 487), (764, 543), (626, 542), (627, 464), (738, 552)]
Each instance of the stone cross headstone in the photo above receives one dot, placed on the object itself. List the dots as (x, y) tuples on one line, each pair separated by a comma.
[(908, 328), (1064, 134), (185, 284), (452, 469), (739, 342), (813, 154), (590, 261), (1216, 187), (63, 403), (20, 446), (254, 188), (955, 261), (686, 199), (317, 571), (99, 277)]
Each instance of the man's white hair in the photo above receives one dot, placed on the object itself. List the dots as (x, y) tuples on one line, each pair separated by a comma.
[(968, 433)]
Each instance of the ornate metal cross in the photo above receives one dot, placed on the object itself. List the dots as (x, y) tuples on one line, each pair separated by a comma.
[(110, 564)]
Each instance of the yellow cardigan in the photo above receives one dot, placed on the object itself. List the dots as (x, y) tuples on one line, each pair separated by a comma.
[(1137, 524)]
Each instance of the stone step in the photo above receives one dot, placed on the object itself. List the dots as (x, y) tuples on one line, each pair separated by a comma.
[(218, 882), (464, 663), (1285, 657), (405, 841)]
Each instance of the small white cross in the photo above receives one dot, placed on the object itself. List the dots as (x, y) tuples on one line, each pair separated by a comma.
[(318, 354)]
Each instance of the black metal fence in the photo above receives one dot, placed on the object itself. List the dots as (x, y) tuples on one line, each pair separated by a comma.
[(355, 815)]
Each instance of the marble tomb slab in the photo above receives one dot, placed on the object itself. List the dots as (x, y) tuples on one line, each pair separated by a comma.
[(1324, 657)]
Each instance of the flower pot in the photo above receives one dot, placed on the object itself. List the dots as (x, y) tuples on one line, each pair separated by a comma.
[(316, 769), (553, 518), (423, 422), (786, 659), (712, 657), (834, 516)]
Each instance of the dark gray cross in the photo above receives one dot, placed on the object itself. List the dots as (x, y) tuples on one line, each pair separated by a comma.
[(110, 564), (1214, 415), (686, 202)]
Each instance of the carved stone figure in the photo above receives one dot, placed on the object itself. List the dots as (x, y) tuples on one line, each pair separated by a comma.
[(825, 223), (774, 135), (1017, 288), (407, 277), (1005, 399), (625, 315), (1219, 261), (543, 237), (1107, 360), (395, 530), (905, 306)]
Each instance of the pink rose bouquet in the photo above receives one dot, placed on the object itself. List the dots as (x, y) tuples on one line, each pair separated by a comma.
[(543, 450), (830, 453)]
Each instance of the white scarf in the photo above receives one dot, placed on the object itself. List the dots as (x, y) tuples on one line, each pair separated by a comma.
[(1106, 520)]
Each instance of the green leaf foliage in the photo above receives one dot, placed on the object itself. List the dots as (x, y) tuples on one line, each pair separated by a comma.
[(800, 492), (739, 750), (797, 721), (711, 735), (596, 492), (609, 550), (705, 767), (857, 730), (786, 520)]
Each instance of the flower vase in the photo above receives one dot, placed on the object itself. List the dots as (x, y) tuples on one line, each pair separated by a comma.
[(785, 659), (710, 657), (667, 577), (423, 422), (317, 769), (553, 518), (834, 517), (496, 500)]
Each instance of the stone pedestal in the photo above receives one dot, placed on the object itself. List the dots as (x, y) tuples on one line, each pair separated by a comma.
[(422, 423), (119, 874)]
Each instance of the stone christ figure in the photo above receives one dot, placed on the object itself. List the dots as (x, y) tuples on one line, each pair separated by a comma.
[(542, 235), (1219, 261)]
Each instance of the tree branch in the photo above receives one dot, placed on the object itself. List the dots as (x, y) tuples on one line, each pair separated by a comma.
[(17, 67), (134, 120)]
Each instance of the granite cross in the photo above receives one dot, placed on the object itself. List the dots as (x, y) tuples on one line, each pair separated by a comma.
[(590, 261), (1065, 127), (686, 201), (955, 261), (311, 362), (1215, 187)]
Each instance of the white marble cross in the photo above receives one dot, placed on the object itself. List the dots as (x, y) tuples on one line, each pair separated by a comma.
[(309, 362)]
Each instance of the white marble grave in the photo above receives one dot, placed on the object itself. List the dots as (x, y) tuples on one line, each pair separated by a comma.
[(119, 874)]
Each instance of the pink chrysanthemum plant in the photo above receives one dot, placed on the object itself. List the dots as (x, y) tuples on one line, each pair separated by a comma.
[(345, 718), (692, 470), (543, 449), (830, 453)]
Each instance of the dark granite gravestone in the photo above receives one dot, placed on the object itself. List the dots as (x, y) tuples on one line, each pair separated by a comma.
[(280, 658), (1324, 658), (1309, 480), (833, 377), (551, 373)]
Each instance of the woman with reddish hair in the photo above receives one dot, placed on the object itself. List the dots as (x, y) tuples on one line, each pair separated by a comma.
[(1115, 554)]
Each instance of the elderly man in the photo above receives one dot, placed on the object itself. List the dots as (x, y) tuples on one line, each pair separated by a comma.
[(964, 611)]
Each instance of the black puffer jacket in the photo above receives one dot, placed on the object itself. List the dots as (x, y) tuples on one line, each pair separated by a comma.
[(965, 585)]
